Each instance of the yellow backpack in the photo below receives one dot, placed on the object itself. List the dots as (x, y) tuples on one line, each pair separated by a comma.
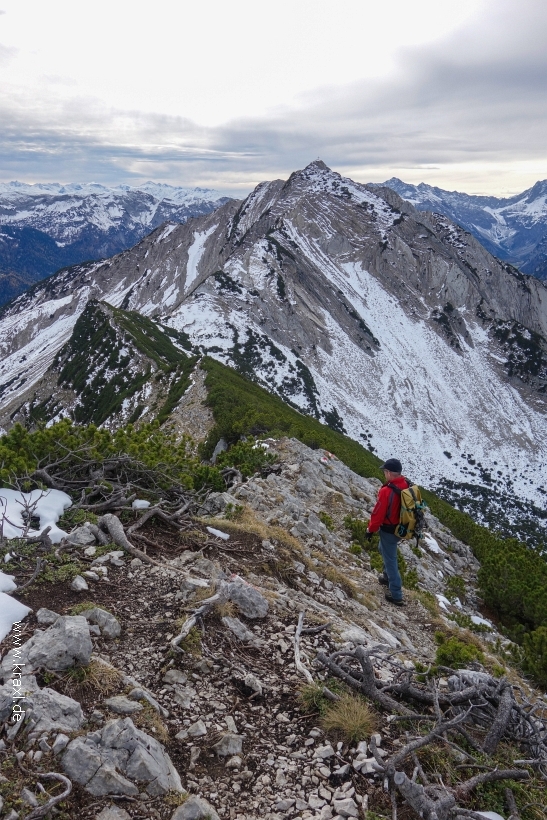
[(411, 519)]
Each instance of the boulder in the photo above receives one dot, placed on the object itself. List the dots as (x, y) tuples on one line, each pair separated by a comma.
[(81, 537), (229, 744), (66, 643), (195, 808), (249, 600), (107, 623), (46, 617), (115, 758), (45, 709)]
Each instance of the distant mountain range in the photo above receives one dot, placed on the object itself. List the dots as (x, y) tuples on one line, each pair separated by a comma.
[(46, 227), (393, 325), (513, 229)]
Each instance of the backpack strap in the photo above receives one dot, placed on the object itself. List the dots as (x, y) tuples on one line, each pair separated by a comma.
[(394, 490)]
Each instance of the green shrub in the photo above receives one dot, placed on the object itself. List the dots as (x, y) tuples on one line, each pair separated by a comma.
[(326, 519), (455, 653), (535, 655), (248, 456), (455, 589)]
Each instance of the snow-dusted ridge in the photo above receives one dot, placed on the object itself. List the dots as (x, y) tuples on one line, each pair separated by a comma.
[(512, 228)]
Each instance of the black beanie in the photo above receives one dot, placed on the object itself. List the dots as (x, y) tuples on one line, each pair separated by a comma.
[(393, 465)]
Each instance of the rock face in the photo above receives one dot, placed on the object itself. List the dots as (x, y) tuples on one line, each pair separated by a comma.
[(66, 643), (514, 228), (117, 758)]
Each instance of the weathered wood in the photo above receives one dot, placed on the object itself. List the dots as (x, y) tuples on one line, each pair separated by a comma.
[(42, 811), (501, 721), (297, 659)]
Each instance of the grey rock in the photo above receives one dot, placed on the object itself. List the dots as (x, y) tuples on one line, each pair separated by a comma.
[(285, 804), (122, 705), (143, 694), (107, 623), (184, 695), (174, 676), (60, 743), (79, 584), (239, 629), (81, 537), (46, 617), (29, 797), (195, 808), (249, 600), (229, 744), (113, 813), (346, 808), (324, 751), (113, 759), (220, 447), (64, 644), (197, 729), (45, 710)]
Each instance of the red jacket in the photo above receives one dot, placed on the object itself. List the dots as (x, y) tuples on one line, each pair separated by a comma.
[(388, 506)]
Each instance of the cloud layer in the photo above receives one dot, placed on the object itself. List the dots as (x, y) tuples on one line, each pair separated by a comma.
[(469, 112)]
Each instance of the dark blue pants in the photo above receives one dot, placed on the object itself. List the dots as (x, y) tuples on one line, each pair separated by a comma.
[(388, 551)]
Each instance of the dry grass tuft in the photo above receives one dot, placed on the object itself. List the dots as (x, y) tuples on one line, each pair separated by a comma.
[(149, 720), (225, 609), (351, 718), (341, 580), (248, 521), (97, 676)]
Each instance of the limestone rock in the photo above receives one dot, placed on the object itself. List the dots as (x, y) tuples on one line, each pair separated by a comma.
[(81, 537), (195, 808), (46, 617), (115, 758), (79, 584), (107, 623), (122, 705), (239, 629), (46, 710), (66, 643), (249, 600), (229, 744), (113, 813)]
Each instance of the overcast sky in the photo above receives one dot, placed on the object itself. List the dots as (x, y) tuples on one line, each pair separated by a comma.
[(227, 93)]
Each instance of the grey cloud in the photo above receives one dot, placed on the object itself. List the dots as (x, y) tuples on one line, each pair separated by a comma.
[(478, 96)]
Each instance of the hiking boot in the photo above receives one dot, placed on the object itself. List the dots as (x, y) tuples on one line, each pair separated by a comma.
[(397, 601), (382, 579)]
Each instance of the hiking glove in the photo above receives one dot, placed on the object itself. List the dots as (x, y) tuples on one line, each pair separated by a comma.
[(368, 535)]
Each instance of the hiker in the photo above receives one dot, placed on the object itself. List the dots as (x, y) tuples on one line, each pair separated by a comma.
[(384, 518)]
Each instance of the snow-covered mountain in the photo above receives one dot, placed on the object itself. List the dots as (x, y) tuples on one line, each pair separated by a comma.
[(44, 227), (395, 325), (514, 229)]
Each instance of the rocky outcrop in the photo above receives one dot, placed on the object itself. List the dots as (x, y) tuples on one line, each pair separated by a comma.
[(117, 758), (66, 643)]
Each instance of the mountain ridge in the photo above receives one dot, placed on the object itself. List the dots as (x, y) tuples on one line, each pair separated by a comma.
[(45, 227), (512, 228), (312, 286)]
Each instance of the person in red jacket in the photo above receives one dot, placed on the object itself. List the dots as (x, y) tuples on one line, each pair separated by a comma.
[(384, 518)]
